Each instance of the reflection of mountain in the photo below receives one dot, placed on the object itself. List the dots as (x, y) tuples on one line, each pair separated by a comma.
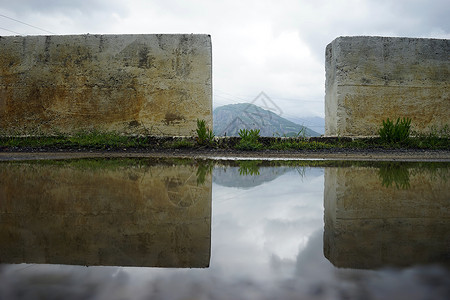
[(232, 176)]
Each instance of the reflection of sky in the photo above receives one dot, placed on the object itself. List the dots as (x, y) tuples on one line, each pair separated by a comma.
[(261, 230), (267, 243)]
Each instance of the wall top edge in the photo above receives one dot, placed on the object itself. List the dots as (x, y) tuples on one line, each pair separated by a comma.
[(356, 37), (108, 35)]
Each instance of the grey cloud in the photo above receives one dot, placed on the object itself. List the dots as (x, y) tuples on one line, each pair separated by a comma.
[(322, 22), (61, 17), (427, 14), (64, 6)]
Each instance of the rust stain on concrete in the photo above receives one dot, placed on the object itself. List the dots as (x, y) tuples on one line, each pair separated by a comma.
[(370, 79), (159, 83)]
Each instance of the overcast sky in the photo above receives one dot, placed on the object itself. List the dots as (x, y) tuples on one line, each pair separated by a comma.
[(275, 46)]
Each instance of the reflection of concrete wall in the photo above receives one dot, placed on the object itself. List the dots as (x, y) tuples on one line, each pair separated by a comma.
[(153, 84), (369, 226), (126, 216), (369, 79)]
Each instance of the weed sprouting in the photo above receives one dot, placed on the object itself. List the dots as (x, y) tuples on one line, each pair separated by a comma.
[(435, 139), (249, 140), (399, 132), (301, 134), (205, 136)]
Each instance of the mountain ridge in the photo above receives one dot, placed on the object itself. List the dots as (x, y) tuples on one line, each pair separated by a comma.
[(229, 119)]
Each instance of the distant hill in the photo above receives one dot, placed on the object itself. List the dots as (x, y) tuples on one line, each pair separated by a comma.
[(229, 119), (314, 123)]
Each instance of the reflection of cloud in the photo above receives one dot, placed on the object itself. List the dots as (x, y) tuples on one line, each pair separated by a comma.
[(280, 266), (311, 263), (252, 258), (256, 228), (62, 282), (285, 238), (325, 280), (99, 283)]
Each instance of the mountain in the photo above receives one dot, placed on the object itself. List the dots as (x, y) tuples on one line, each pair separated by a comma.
[(315, 123), (229, 119)]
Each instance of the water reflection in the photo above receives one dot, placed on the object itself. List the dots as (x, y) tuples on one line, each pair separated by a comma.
[(114, 213), (394, 215), (259, 230), (267, 222), (247, 174), (394, 173)]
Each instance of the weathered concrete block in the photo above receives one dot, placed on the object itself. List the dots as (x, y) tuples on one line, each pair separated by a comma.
[(132, 84), (376, 217), (369, 79)]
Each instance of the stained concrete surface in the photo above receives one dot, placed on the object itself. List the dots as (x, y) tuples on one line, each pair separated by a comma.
[(155, 84), (370, 79)]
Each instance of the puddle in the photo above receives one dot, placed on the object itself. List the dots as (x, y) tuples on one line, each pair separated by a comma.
[(86, 213), (183, 229)]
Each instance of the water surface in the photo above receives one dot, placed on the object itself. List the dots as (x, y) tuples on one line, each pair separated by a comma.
[(183, 229)]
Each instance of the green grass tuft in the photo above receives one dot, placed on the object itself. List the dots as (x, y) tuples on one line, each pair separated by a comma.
[(397, 133), (180, 144), (205, 136), (249, 140), (299, 145), (102, 140)]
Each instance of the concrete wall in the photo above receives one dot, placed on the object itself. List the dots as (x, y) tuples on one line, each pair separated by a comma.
[(133, 84), (369, 79), (370, 223), (117, 214)]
